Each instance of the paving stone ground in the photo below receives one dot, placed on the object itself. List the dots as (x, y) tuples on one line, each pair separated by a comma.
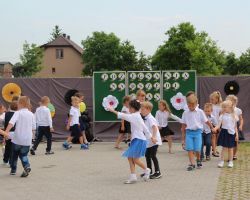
[(98, 174), (235, 183)]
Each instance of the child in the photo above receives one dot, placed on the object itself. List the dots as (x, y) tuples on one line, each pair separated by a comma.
[(82, 109), (125, 125), (216, 100), (73, 124), (152, 125), (207, 133), (8, 143), (192, 125), (240, 123), (22, 137), (44, 126), (138, 144), (141, 96), (162, 116), (228, 135)]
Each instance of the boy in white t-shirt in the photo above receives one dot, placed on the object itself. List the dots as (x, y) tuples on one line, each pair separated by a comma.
[(152, 125), (22, 137)]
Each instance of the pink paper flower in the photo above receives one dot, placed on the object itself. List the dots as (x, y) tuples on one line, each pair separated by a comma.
[(178, 101), (110, 101)]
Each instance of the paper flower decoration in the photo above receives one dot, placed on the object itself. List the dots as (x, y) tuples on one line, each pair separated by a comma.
[(110, 101), (52, 109), (178, 101), (10, 90), (68, 95), (232, 87)]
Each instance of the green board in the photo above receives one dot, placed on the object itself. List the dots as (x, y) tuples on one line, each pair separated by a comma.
[(149, 81), (104, 84), (177, 81)]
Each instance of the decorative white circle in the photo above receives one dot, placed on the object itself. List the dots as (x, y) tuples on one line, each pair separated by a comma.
[(157, 97), (113, 76), (133, 96), (132, 76), (105, 77), (157, 76), (121, 86), (185, 75), (121, 76), (132, 86), (113, 86), (140, 75), (140, 86), (148, 76), (176, 85), (157, 86), (176, 75), (167, 85), (149, 96), (148, 86), (168, 75)]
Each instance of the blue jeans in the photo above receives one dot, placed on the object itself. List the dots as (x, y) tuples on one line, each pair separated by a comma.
[(21, 152), (206, 141)]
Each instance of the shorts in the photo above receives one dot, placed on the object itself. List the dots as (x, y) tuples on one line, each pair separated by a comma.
[(166, 131), (82, 125), (75, 131), (127, 128), (193, 140)]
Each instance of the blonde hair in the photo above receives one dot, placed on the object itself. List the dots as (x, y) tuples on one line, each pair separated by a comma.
[(217, 95), (140, 93), (228, 103), (126, 99), (75, 99), (192, 99), (45, 100), (24, 101), (148, 105), (208, 106), (233, 99), (165, 104)]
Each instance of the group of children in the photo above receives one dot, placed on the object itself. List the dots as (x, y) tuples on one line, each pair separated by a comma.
[(218, 124), (20, 125)]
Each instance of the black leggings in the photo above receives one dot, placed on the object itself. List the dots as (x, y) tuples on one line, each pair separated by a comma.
[(151, 155), (7, 152), (43, 131)]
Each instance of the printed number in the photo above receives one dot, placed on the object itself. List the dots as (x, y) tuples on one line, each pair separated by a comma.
[(113, 86), (121, 76), (133, 76), (132, 86), (141, 76), (121, 86), (157, 97), (113, 76), (176, 86), (176, 75), (167, 75), (157, 86), (167, 85), (157, 76), (149, 96), (148, 86), (148, 76), (185, 75), (140, 86), (105, 77)]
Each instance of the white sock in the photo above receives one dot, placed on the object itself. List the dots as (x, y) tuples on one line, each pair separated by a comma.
[(133, 176)]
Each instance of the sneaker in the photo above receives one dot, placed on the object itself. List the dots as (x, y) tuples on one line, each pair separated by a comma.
[(203, 160), (12, 172), (146, 174), (32, 152), (132, 179), (156, 175), (49, 152), (215, 155), (199, 164), (26, 172), (66, 146), (84, 146), (230, 164), (208, 158), (191, 167), (221, 164)]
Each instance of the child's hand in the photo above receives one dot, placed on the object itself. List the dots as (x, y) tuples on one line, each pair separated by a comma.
[(214, 130), (237, 138), (52, 130), (110, 109), (122, 128), (154, 140), (240, 128), (67, 127)]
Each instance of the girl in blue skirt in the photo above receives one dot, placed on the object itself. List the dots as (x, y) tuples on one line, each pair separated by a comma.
[(138, 144), (228, 135)]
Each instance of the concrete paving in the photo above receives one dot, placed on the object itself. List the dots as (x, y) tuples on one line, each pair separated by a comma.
[(98, 174)]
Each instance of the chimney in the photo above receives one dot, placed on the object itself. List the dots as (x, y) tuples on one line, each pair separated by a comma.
[(68, 36), (64, 35)]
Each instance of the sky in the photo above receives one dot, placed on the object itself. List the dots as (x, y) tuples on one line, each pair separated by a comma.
[(143, 22)]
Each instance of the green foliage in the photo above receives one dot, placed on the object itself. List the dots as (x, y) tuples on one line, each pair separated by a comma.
[(56, 32), (31, 61), (231, 65), (104, 51), (244, 62), (188, 49)]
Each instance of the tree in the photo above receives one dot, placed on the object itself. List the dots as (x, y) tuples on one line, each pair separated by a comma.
[(56, 32), (231, 65), (187, 49), (104, 51), (244, 62), (31, 61)]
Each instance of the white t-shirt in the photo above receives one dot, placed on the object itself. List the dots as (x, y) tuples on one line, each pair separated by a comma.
[(163, 116), (150, 121), (43, 116), (138, 128), (194, 119), (216, 111), (125, 110), (238, 111), (74, 114), (25, 123), (228, 121), (213, 121)]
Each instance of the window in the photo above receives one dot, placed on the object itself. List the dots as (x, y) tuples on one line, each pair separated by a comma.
[(53, 70), (59, 53)]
